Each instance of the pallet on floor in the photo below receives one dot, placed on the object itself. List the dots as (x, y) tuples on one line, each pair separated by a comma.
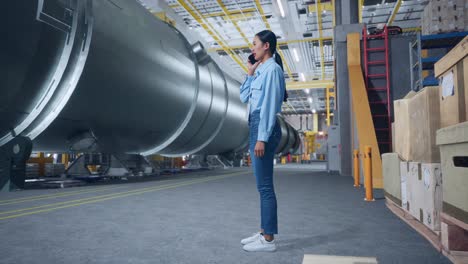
[(434, 237)]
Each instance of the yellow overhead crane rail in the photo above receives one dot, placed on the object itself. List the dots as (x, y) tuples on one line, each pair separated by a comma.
[(228, 16), (360, 7), (165, 18), (199, 18), (279, 43), (317, 84), (394, 12), (232, 12)]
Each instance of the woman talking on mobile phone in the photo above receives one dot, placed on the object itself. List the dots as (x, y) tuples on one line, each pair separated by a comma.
[(264, 90)]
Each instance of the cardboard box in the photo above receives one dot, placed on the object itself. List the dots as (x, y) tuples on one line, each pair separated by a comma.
[(402, 124), (424, 121), (393, 136), (391, 177), (414, 190), (453, 143), (404, 171), (417, 119), (432, 195)]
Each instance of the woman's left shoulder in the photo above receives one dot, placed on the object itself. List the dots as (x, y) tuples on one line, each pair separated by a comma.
[(275, 69)]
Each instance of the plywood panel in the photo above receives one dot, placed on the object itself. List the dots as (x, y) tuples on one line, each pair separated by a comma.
[(391, 177), (326, 259), (402, 128), (465, 84), (453, 57)]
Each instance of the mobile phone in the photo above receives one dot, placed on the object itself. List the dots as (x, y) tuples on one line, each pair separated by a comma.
[(252, 59)]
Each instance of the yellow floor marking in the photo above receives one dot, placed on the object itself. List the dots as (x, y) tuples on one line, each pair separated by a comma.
[(125, 194), (50, 196), (78, 200), (61, 194)]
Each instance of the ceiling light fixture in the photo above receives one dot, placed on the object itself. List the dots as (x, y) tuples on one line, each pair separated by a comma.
[(280, 7), (314, 111), (310, 100), (307, 91), (302, 77), (295, 55)]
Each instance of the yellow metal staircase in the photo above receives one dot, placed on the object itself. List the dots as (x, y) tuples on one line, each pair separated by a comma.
[(361, 108)]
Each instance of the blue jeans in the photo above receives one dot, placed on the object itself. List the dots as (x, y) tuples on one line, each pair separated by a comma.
[(263, 171)]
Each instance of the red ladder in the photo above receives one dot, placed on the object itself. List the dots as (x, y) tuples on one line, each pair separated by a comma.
[(377, 78)]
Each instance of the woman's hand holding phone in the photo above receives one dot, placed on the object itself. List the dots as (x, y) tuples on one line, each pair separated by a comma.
[(252, 66)]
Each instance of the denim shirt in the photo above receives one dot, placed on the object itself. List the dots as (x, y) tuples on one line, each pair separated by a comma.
[(265, 92)]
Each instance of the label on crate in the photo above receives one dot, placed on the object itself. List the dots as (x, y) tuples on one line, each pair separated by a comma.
[(427, 178), (447, 85)]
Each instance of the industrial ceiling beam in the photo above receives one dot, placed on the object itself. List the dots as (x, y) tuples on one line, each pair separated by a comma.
[(262, 14), (413, 29), (279, 43), (232, 12), (318, 84), (333, 13), (360, 7), (199, 18), (228, 16), (394, 12)]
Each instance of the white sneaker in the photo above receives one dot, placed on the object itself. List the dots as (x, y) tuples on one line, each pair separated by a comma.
[(250, 239), (261, 245)]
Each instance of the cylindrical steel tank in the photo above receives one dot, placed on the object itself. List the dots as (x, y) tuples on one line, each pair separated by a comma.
[(107, 76)]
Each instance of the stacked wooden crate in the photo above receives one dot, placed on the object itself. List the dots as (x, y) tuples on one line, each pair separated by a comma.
[(427, 178), (452, 139)]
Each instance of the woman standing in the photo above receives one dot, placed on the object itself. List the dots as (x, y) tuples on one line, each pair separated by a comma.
[(264, 90)]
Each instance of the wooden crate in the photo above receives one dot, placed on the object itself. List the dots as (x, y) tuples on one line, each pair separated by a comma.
[(454, 236), (453, 142), (453, 72)]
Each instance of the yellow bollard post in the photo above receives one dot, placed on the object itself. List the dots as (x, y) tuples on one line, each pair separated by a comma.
[(356, 169), (368, 174)]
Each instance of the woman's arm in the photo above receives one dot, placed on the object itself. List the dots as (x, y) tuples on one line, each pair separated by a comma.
[(274, 92), (245, 89)]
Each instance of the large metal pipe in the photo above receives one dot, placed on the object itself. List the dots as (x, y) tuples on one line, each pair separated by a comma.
[(107, 76)]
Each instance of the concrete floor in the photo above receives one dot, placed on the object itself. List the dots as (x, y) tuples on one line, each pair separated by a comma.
[(200, 218)]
